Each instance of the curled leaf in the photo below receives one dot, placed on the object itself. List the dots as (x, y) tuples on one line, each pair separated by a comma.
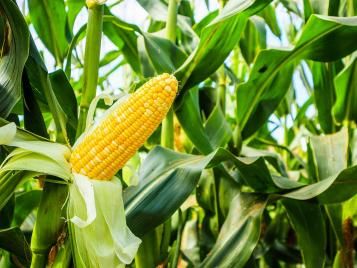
[(13, 55)]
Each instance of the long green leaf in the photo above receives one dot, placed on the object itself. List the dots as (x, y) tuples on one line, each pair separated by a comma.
[(318, 36), (49, 21), (13, 240), (67, 100), (214, 47), (26, 202), (239, 234), (330, 153), (39, 80), (167, 178), (189, 116), (309, 225), (345, 106), (164, 55), (123, 36), (324, 95), (8, 183), (33, 119), (270, 99), (74, 7), (13, 56), (333, 189)]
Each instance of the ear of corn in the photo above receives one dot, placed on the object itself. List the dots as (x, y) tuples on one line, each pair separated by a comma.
[(105, 149)]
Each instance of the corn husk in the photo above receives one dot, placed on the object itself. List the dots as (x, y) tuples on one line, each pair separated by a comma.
[(98, 230), (31, 154), (100, 236)]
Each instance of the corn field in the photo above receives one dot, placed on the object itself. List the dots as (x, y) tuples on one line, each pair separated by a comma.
[(178, 133)]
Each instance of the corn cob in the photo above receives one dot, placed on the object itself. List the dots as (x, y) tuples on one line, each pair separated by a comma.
[(107, 148)]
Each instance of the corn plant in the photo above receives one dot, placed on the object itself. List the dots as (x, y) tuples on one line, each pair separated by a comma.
[(204, 134)]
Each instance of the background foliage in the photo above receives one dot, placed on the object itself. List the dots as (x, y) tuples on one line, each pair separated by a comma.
[(263, 173)]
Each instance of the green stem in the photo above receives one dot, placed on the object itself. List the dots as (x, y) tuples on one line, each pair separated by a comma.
[(38, 260), (179, 239), (217, 206), (221, 94), (235, 61), (167, 130), (91, 62), (149, 250), (171, 21), (64, 255), (49, 222), (350, 8)]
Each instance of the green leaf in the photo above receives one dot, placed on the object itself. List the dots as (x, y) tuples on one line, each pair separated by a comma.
[(167, 178), (42, 87), (13, 240), (123, 36), (345, 107), (33, 119), (320, 6), (291, 7), (49, 21), (270, 100), (162, 173), (217, 129), (14, 53), (156, 8), (67, 100), (147, 67), (7, 213), (324, 95), (38, 163), (164, 55), (318, 36), (240, 231), (158, 11), (74, 7), (198, 27), (307, 9), (344, 187), (323, 32), (256, 174), (273, 158), (189, 117), (334, 214), (8, 183), (109, 57), (76, 38), (269, 15), (330, 153), (334, 189), (26, 202), (213, 47), (308, 222), (253, 38)]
